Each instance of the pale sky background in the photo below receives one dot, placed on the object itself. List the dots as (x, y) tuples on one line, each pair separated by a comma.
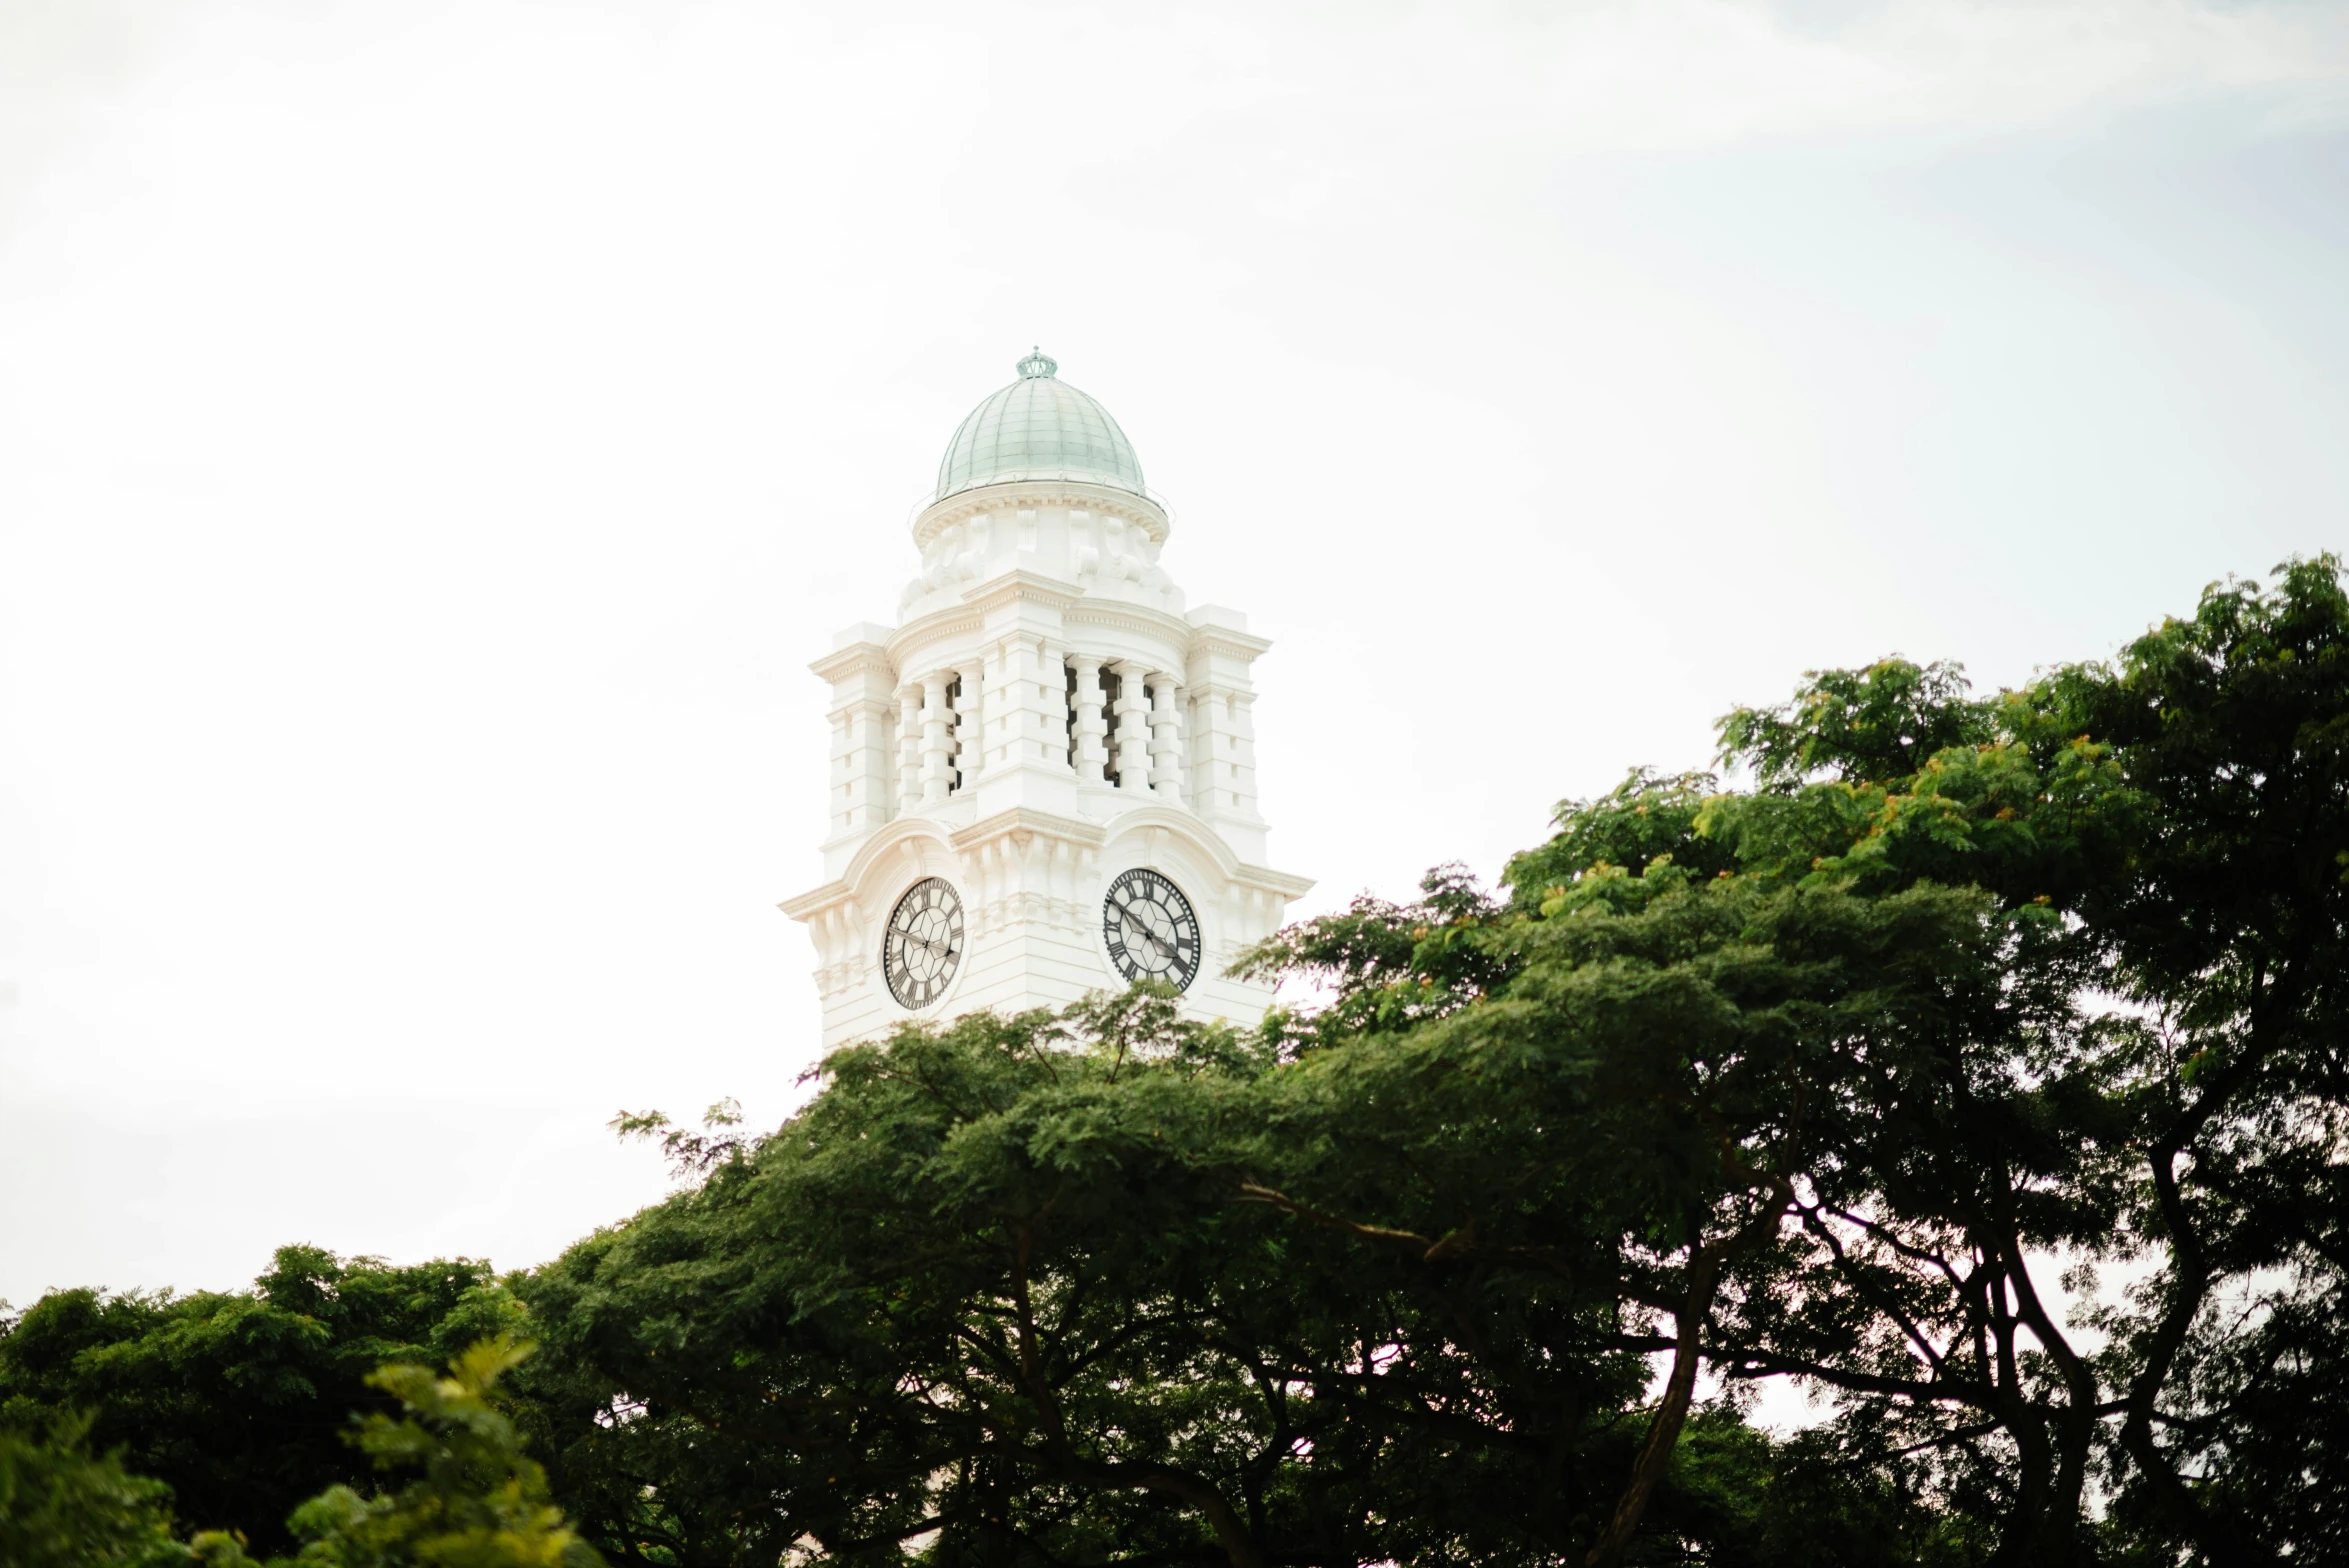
[(434, 438)]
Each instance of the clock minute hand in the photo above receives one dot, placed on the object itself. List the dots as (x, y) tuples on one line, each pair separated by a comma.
[(1146, 934)]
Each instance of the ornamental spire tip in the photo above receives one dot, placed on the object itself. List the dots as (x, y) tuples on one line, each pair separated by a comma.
[(1038, 363)]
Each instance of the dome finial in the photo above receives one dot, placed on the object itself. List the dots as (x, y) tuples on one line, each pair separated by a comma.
[(1038, 363)]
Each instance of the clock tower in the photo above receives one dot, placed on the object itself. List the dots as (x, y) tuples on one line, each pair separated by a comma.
[(1044, 776)]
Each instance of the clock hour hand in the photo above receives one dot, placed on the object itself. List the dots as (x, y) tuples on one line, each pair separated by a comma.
[(1144, 932)]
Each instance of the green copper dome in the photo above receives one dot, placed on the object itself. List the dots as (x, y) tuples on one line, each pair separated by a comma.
[(1039, 427)]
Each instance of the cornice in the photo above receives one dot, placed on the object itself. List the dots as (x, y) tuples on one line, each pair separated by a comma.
[(815, 901), (1090, 611), (938, 623), (1286, 884), (1026, 819), (1020, 583), (964, 505), (854, 659), (1222, 639), (1076, 607), (1183, 825), (888, 837)]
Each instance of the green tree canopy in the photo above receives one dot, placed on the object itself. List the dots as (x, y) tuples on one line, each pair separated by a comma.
[(467, 1495), (239, 1401), (1857, 1068), (2132, 1057), (62, 1506), (1120, 1287)]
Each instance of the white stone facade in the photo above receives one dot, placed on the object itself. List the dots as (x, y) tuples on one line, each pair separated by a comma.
[(1045, 716)]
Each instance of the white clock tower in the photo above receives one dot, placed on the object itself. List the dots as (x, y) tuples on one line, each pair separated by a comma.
[(1044, 777)]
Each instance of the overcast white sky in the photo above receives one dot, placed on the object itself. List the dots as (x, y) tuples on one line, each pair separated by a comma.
[(434, 437)]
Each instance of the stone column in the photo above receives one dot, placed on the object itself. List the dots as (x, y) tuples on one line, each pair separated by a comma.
[(1091, 730), (1133, 729), (1029, 706), (937, 742), (970, 721), (1166, 738), (909, 746), (1056, 706)]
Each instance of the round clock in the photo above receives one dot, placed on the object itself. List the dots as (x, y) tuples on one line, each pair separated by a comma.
[(1151, 931), (923, 943)]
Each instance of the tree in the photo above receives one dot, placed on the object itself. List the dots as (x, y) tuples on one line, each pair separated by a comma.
[(1650, 1082), (2206, 894), (1955, 1162), (1005, 1290), (239, 1400), (475, 1498), (2230, 930), (1824, 1076), (2140, 1062), (63, 1507), (1116, 1285)]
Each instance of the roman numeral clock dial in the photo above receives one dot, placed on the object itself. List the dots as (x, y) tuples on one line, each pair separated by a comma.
[(1150, 929), (923, 944)]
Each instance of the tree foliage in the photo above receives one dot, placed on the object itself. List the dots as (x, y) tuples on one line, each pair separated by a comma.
[(62, 1506), (2132, 1058), (472, 1497), (1973, 1062), (239, 1400), (1118, 1286), (986, 1295)]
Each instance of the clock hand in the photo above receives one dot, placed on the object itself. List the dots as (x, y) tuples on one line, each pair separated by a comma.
[(1148, 935)]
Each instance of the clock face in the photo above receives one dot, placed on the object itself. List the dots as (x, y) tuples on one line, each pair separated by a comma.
[(923, 944), (1151, 931)]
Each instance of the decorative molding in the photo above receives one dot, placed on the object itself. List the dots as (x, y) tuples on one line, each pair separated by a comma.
[(899, 833), (1026, 819), (938, 623), (1155, 821), (1021, 584), (856, 659), (1089, 611), (1287, 884), (1030, 494), (806, 906), (1222, 639)]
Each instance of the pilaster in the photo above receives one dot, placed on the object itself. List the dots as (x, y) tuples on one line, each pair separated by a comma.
[(1223, 726), (859, 718)]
